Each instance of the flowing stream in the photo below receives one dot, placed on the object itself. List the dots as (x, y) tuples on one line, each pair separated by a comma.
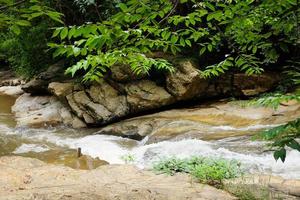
[(59, 145)]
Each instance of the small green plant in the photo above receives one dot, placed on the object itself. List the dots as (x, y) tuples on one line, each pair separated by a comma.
[(282, 137), (207, 170), (128, 158)]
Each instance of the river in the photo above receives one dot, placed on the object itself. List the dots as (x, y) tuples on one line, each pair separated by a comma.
[(59, 145)]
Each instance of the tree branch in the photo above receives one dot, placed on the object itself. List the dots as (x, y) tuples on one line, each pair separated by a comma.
[(171, 12)]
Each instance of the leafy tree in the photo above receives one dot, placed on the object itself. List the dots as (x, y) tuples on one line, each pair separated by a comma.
[(252, 34)]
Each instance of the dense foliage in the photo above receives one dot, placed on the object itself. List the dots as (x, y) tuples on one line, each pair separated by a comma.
[(206, 170), (241, 35), (24, 27), (25, 58)]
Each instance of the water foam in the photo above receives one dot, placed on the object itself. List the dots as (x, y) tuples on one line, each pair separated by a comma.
[(145, 155), (248, 128), (25, 148), (110, 148)]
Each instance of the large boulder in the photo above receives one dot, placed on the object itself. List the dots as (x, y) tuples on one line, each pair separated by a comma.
[(39, 111), (100, 103), (96, 104), (27, 178)]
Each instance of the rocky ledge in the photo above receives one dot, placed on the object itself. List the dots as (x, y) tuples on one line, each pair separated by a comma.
[(122, 94), (208, 121), (26, 178), (53, 99)]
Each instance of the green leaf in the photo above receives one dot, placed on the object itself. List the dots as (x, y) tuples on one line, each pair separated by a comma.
[(123, 6), (64, 33), (76, 51), (182, 42), (23, 23), (280, 154), (59, 52), (55, 16), (56, 32), (188, 43), (36, 14), (174, 39), (202, 51), (209, 47), (71, 32)]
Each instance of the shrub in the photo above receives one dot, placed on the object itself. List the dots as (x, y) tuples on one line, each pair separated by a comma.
[(207, 170)]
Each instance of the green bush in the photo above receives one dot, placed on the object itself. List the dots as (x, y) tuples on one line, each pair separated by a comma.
[(206, 170)]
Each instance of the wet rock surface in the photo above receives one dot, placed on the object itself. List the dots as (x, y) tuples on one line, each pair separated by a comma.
[(26, 178), (212, 121)]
